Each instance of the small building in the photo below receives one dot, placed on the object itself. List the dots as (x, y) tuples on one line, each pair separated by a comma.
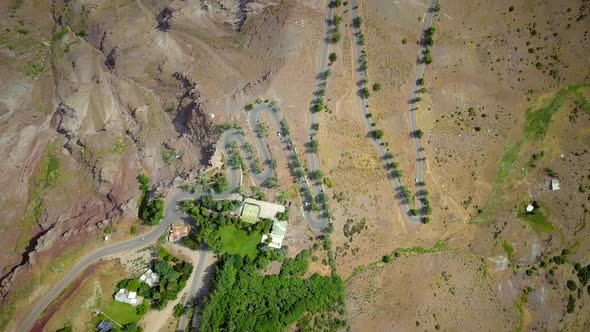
[(554, 184), (530, 208), (178, 231), (150, 277), (277, 234), (126, 296), (105, 326)]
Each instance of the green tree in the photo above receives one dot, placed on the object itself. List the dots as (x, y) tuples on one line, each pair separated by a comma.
[(365, 93), (418, 133), (178, 310), (427, 57), (571, 285), (376, 86), (335, 37), (133, 230), (143, 179), (319, 106), (337, 3), (144, 182), (153, 212), (357, 21), (377, 133), (249, 107), (131, 327), (317, 175), (332, 57), (143, 308), (262, 129), (571, 304), (220, 183), (337, 19), (168, 156), (314, 146), (386, 259)]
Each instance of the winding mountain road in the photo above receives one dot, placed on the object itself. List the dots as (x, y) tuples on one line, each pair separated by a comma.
[(316, 222), (405, 205)]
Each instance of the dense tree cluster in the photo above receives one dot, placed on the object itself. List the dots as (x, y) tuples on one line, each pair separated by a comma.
[(241, 298), (220, 183), (244, 300), (150, 211), (208, 222)]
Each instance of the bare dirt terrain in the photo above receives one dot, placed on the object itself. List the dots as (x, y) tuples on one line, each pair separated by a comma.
[(122, 87), (480, 170), (94, 92)]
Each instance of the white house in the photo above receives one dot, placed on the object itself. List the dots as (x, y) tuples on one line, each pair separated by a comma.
[(530, 208), (150, 277), (554, 184), (279, 229), (125, 296)]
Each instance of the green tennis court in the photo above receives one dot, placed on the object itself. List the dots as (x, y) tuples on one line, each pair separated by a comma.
[(250, 213)]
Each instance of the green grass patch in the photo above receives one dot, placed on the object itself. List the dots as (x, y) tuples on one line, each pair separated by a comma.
[(58, 34), (235, 241), (508, 162), (46, 177), (537, 122), (537, 220), (438, 246), (508, 249), (122, 313), (535, 128), (119, 146), (168, 156)]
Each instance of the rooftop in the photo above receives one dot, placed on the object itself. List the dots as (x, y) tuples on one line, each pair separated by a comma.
[(178, 231), (149, 277), (125, 296)]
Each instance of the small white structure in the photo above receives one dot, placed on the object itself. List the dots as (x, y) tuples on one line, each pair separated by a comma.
[(530, 208), (279, 229), (125, 296), (150, 277), (106, 237), (554, 184)]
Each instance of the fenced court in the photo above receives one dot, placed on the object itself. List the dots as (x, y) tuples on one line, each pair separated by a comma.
[(250, 213)]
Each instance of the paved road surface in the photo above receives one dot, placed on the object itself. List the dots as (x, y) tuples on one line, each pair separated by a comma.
[(414, 94), (382, 151), (313, 160), (205, 260)]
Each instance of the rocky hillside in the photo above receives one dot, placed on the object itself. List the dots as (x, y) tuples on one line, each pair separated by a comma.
[(92, 92)]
